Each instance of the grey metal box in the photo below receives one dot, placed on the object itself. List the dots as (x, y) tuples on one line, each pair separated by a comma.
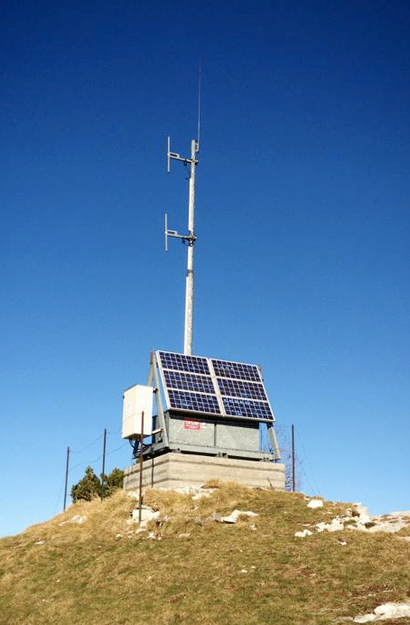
[(243, 436), (191, 431)]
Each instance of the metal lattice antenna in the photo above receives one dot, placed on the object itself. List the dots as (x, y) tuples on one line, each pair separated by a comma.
[(190, 238)]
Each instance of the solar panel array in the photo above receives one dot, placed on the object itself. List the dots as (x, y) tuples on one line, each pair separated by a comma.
[(213, 387)]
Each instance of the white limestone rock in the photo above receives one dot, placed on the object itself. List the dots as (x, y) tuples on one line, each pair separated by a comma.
[(335, 525), (315, 503), (303, 534), (78, 519), (384, 612), (236, 514)]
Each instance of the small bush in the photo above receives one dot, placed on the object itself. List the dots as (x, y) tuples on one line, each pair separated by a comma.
[(91, 486)]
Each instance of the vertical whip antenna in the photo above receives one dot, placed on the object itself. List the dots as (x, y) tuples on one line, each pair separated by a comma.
[(199, 106)]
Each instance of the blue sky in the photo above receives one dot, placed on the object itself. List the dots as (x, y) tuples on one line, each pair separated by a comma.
[(302, 259)]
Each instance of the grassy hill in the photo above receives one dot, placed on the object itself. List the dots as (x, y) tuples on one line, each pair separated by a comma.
[(91, 565)]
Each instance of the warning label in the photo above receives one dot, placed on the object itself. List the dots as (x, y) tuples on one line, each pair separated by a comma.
[(192, 424)]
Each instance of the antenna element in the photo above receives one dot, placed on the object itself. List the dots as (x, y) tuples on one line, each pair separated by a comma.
[(199, 104)]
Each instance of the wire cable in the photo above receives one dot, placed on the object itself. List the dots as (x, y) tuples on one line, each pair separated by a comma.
[(313, 487), (89, 463), (114, 450), (59, 497), (73, 451)]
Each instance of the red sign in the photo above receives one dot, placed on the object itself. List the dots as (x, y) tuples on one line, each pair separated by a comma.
[(192, 424)]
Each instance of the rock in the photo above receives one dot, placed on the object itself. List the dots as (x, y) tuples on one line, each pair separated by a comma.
[(384, 612), (234, 516), (147, 514), (393, 610), (315, 503), (187, 490), (75, 519), (362, 513), (367, 618), (335, 525), (303, 534), (203, 493)]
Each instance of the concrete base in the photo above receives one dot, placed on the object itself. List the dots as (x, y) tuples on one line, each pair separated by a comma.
[(176, 470)]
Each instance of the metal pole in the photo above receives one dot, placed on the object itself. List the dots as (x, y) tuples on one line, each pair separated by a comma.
[(141, 466), (103, 464), (189, 292), (66, 477), (293, 460)]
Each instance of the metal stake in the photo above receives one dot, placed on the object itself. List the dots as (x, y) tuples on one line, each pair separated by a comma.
[(293, 460), (141, 466), (103, 464), (66, 477)]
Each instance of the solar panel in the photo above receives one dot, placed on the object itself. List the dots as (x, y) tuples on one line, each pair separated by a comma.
[(195, 384), (244, 408), (239, 388), (181, 362), (188, 382), (226, 369), (194, 402)]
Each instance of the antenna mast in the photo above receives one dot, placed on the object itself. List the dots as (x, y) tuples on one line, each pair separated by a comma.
[(188, 239)]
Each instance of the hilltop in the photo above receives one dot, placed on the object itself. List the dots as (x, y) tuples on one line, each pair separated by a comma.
[(189, 564)]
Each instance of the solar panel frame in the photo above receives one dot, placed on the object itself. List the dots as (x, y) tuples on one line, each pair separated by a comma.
[(209, 386)]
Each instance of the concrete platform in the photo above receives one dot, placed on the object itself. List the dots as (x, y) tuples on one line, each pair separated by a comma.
[(176, 470)]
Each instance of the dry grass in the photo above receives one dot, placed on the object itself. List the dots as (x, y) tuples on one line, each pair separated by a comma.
[(200, 572)]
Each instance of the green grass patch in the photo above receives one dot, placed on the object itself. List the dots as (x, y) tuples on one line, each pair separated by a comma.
[(198, 571)]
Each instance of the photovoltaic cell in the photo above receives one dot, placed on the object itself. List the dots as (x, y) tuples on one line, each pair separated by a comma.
[(239, 388), (188, 382)]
